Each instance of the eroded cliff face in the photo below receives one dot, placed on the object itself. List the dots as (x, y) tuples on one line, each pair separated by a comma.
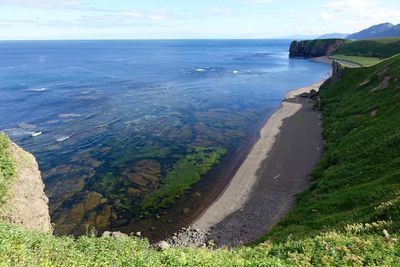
[(27, 203), (314, 48), (337, 71)]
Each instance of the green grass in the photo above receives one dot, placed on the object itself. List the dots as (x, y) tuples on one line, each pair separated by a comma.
[(357, 245), (185, 173), (360, 168), (7, 168), (379, 48), (361, 61)]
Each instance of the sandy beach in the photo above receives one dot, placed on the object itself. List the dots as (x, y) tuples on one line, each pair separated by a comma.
[(277, 167)]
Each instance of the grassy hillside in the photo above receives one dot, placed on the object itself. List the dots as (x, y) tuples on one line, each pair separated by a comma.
[(7, 168), (379, 48), (349, 217), (358, 245), (361, 61), (358, 178)]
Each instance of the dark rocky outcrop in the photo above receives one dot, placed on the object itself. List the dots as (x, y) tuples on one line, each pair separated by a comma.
[(337, 71), (314, 48)]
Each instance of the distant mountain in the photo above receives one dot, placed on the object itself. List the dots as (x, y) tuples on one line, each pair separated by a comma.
[(333, 36), (377, 31)]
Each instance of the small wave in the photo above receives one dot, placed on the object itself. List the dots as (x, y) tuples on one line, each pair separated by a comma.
[(38, 89), (63, 138), (235, 71), (34, 134), (200, 70), (69, 115)]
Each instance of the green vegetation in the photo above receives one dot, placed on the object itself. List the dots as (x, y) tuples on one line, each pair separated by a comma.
[(185, 173), (358, 245), (7, 168), (379, 48), (360, 168), (361, 61)]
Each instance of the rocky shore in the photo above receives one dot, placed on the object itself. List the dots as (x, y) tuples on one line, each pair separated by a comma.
[(263, 189)]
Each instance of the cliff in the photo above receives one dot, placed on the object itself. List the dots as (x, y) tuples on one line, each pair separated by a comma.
[(337, 71), (314, 48), (25, 202)]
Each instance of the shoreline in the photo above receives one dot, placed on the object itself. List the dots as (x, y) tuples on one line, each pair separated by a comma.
[(201, 196), (221, 217)]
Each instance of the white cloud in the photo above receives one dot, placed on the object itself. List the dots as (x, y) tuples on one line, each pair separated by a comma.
[(260, 1), (349, 5), (134, 14), (326, 16), (358, 14), (221, 11), (51, 4)]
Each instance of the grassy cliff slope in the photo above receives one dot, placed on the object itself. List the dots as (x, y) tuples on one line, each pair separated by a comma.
[(358, 178), (379, 48), (7, 168), (358, 245)]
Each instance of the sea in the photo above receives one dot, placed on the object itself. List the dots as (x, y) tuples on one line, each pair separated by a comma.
[(107, 120)]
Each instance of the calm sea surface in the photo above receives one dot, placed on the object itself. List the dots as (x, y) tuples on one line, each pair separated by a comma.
[(120, 114)]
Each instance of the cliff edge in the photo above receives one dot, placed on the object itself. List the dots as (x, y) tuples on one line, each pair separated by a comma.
[(26, 202), (314, 48)]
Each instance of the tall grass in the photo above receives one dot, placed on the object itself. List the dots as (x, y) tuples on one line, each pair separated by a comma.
[(7, 168)]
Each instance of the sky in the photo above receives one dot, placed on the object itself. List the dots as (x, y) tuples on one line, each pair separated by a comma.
[(188, 19)]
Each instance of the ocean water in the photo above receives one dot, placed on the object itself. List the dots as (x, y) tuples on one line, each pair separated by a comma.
[(122, 113)]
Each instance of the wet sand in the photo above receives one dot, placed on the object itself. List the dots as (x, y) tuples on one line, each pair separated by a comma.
[(277, 167)]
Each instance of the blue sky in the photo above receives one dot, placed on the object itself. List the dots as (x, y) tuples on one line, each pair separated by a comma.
[(160, 19)]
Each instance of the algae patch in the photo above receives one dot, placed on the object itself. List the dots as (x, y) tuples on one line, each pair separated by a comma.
[(186, 172)]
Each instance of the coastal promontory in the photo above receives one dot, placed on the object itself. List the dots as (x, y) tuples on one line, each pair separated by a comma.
[(314, 48)]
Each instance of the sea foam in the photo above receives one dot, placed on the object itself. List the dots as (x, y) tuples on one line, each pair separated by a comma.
[(38, 89), (63, 138), (69, 115), (33, 134)]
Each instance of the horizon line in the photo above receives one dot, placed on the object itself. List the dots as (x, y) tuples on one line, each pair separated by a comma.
[(152, 39)]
